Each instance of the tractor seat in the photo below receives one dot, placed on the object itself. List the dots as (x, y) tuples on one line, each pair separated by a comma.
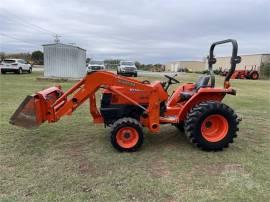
[(201, 83)]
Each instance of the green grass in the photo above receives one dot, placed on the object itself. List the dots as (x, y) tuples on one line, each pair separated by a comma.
[(73, 160)]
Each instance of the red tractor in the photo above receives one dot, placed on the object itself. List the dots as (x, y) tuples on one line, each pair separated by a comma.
[(246, 74), (128, 105)]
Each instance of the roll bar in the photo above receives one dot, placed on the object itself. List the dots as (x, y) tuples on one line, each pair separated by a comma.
[(234, 60)]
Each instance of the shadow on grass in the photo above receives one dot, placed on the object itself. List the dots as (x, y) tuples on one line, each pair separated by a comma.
[(62, 136)]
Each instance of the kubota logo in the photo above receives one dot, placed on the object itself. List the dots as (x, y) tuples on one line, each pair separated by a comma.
[(135, 90)]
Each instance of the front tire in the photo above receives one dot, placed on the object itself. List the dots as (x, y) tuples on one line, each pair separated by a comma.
[(3, 72), (30, 70), (127, 135), (211, 126), (19, 71)]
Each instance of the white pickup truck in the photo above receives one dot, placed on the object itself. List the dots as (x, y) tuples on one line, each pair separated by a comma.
[(127, 68), (95, 66), (15, 65)]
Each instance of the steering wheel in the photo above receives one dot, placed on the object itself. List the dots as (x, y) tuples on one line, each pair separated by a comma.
[(172, 79)]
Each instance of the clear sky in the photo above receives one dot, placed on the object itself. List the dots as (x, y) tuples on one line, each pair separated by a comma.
[(150, 31)]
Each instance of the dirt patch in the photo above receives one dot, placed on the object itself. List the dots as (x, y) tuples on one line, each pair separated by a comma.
[(159, 168), (7, 168), (171, 146), (74, 151), (86, 166), (216, 169), (234, 168), (169, 198)]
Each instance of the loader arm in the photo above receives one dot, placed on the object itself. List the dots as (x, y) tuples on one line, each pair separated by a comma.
[(51, 110)]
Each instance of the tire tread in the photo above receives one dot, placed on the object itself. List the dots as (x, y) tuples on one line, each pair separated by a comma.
[(193, 118)]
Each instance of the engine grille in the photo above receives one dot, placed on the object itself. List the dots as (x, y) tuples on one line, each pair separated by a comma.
[(129, 69)]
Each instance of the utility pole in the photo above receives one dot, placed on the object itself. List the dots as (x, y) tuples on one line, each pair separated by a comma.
[(56, 40)]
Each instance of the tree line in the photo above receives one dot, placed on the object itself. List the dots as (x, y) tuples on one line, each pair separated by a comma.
[(113, 63), (37, 58)]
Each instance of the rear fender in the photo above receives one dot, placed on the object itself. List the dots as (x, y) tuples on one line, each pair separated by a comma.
[(203, 95)]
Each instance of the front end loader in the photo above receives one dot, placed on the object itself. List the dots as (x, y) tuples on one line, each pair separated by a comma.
[(128, 105)]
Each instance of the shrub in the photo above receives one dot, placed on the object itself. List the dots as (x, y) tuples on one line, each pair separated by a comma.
[(265, 71)]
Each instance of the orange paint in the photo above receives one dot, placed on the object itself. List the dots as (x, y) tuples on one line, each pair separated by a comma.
[(127, 137), (214, 128)]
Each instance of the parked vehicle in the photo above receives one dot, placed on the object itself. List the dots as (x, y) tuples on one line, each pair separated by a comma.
[(95, 65), (127, 68), (16, 66), (251, 73)]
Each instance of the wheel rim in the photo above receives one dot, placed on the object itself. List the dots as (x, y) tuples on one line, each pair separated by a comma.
[(254, 76), (127, 137), (20, 70), (214, 128)]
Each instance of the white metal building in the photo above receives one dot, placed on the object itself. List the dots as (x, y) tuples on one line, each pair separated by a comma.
[(180, 65), (247, 61), (64, 61)]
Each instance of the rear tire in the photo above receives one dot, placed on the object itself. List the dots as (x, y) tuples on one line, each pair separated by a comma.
[(254, 76), (127, 135), (211, 126), (135, 75)]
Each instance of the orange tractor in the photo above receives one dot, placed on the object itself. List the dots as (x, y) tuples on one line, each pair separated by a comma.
[(128, 105), (246, 74)]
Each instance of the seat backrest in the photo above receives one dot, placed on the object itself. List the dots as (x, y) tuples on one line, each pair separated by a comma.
[(202, 82)]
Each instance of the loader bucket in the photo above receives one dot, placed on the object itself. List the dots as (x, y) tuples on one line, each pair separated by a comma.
[(36, 109), (26, 114)]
